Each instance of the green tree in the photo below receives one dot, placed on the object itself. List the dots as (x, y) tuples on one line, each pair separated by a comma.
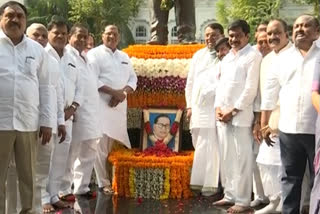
[(42, 10), (253, 11), (97, 13)]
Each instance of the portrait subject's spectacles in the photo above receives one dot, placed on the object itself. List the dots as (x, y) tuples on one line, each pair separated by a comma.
[(163, 126)]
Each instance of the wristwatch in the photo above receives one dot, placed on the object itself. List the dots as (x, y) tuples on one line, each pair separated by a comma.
[(233, 113), (125, 93)]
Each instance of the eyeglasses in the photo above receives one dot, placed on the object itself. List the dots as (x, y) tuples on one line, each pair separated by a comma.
[(163, 126)]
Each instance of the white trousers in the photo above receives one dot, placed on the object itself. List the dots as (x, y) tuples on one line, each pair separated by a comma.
[(236, 162), (82, 156), (258, 189), (206, 161), (101, 166), (59, 157), (271, 180), (13, 203)]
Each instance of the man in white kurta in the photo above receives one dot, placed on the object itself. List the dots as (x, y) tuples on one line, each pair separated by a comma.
[(72, 93), (116, 79), (291, 82), (234, 109), (25, 102), (85, 130), (200, 93), (268, 157)]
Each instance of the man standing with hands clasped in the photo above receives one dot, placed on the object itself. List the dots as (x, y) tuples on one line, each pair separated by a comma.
[(116, 79), (235, 95)]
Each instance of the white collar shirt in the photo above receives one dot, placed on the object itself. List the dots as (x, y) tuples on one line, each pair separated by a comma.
[(200, 62), (238, 85), (86, 125), (290, 81), (72, 82), (114, 69), (25, 87)]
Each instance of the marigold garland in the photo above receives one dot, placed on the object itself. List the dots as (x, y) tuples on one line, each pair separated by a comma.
[(174, 184), (162, 51)]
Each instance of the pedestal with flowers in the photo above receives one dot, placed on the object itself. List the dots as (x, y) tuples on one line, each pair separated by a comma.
[(157, 172)]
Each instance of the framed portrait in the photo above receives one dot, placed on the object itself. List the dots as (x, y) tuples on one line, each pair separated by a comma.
[(161, 125)]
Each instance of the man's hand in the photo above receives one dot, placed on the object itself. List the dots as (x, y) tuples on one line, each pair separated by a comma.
[(266, 133), (113, 102), (257, 133), (226, 117), (218, 114), (189, 113), (62, 133), (45, 133), (68, 112), (119, 95)]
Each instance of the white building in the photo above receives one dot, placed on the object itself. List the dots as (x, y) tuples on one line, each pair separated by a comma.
[(205, 14)]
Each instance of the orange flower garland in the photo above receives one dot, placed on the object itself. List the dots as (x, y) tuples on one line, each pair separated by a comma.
[(176, 172), (161, 51)]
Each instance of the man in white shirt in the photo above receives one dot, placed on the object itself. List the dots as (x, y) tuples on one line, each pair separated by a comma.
[(269, 156), (25, 102), (116, 79), (235, 95), (200, 95), (86, 129), (290, 81), (73, 97)]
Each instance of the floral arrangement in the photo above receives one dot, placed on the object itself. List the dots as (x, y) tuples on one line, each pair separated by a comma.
[(162, 51), (162, 73), (139, 174)]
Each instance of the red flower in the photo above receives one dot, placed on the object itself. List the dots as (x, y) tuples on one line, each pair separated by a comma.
[(174, 128), (147, 127)]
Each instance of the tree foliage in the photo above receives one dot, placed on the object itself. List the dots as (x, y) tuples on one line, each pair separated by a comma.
[(253, 11), (93, 13)]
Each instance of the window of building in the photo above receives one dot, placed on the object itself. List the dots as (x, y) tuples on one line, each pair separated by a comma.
[(174, 32), (141, 31)]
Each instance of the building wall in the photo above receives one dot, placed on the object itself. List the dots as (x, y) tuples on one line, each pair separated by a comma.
[(205, 14)]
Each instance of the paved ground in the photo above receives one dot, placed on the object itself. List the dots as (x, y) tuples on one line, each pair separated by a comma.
[(107, 204)]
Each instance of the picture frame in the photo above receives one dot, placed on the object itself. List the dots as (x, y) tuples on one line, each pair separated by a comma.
[(164, 117)]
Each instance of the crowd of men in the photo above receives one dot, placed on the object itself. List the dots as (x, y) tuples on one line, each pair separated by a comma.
[(253, 112), (54, 93)]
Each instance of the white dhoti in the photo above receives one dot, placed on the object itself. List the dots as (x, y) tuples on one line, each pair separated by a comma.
[(269, 162), (206, 161), (59, 157), (258, 189), (82, 156), (236, 162), (101, 166)]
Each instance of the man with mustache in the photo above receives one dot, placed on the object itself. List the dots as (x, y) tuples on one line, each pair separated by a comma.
[(73, 97), (25, 102), (235, 95), (116, 79), (290, 80), (200, 95), (269, 155)]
